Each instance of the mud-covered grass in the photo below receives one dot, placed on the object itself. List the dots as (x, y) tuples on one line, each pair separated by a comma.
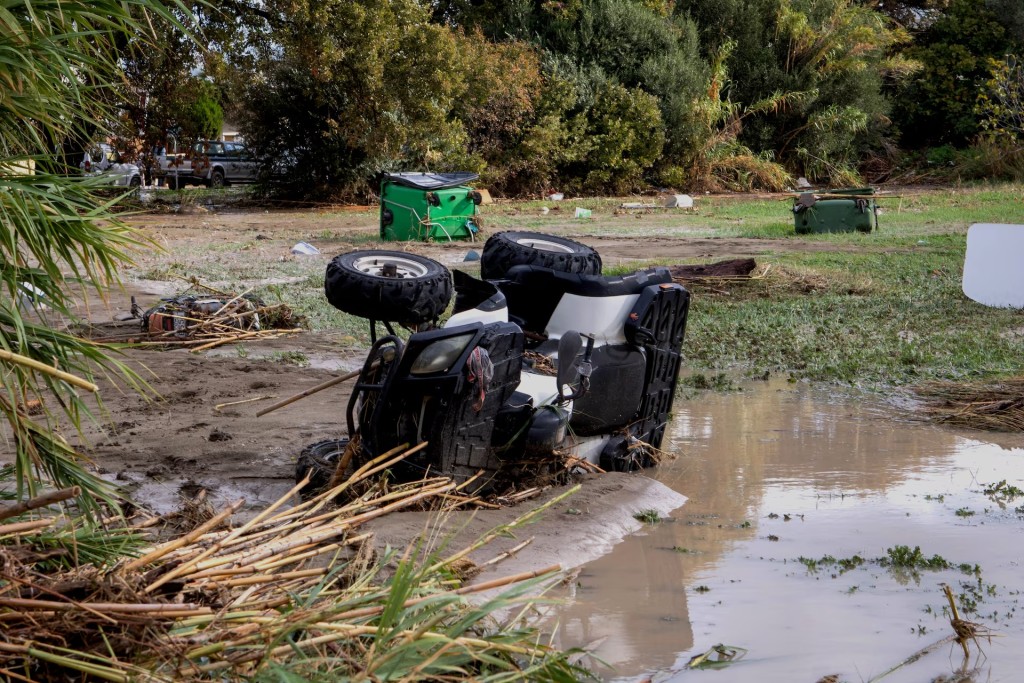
[(875, 309), (882, 309)]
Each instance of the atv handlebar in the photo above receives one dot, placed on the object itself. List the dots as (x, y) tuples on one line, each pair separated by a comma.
[(568, 348)]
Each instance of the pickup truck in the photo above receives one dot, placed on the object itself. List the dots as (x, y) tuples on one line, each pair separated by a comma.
[(213, 163)]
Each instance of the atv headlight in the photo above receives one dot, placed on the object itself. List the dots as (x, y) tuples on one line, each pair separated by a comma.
[(440, 355)]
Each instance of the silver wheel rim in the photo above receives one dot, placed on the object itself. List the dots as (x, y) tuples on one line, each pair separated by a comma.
[(405, 267), (544, 245)]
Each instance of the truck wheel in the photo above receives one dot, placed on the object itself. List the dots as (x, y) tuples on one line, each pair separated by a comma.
[(504, 250), (388, 285), (319, 460), (217, 178)]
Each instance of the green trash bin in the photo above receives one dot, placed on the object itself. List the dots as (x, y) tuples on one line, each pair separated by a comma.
[(428, 206), (846, 210)]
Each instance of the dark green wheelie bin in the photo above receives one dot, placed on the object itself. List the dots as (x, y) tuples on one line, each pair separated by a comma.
[(846, 210), (428, 206)]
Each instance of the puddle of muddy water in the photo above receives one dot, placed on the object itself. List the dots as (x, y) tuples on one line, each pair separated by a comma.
[(778, 472)]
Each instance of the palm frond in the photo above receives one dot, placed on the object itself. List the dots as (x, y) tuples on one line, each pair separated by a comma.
[(60, 76)]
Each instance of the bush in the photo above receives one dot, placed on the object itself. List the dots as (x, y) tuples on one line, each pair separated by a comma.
[(988, 159), (625, 139)]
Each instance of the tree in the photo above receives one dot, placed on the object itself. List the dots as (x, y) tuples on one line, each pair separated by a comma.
[(55, 235), (351, 89), (641, 48), (717, 160), (1001, 104), (165, 94), (504, 89), (823, 62), (624, 139), (938, 105), (1011, 16)]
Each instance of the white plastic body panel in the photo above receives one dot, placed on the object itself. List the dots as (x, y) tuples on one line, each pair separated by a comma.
[(993, 270), (603, 317), (475, 315), (543, 389)]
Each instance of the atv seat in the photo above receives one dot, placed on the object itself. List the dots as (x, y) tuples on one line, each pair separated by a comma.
[(546, 301)]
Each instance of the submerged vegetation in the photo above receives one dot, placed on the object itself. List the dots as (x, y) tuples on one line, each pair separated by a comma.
[(648, 516), (898, 557)]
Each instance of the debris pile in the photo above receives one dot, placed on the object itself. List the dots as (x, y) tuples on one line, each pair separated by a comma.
[(203, 318), (293, 586), (711, 277), (731, 268), (993, 406)]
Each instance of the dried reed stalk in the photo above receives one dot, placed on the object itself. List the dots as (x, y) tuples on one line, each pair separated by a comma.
[(992, 406), (274, 589)]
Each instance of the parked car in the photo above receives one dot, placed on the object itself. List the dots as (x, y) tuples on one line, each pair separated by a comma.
[(213, 163), (546, 357), (104, 162)]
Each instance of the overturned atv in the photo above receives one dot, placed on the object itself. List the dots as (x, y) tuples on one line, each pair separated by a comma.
[(545, 356)]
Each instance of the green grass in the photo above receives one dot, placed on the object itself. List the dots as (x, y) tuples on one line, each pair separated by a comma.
[(885, 318), (912, 213)]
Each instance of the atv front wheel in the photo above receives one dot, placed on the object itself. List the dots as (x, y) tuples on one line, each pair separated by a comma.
[(319, 461), (388, 286), (504, 250)]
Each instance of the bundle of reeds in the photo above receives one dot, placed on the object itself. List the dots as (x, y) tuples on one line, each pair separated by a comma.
[(294, 589), (993, 406)]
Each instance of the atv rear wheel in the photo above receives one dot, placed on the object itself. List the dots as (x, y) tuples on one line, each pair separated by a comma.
[(319, 460), (504, 250), (389, 286)]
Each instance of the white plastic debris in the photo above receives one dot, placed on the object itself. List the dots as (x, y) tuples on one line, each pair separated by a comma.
[(992, 272), (30, 296), (679, 201), (305, 249), (556, 196)]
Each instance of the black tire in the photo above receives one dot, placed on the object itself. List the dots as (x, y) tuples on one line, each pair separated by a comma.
[(135, 182), (319, 460), (217, 178), (504, 250), (416, 290)]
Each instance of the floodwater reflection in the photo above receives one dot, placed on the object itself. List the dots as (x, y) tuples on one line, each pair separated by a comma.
[(780, 472)]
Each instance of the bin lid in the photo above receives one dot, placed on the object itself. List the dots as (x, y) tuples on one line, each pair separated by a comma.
[(432, 181)]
